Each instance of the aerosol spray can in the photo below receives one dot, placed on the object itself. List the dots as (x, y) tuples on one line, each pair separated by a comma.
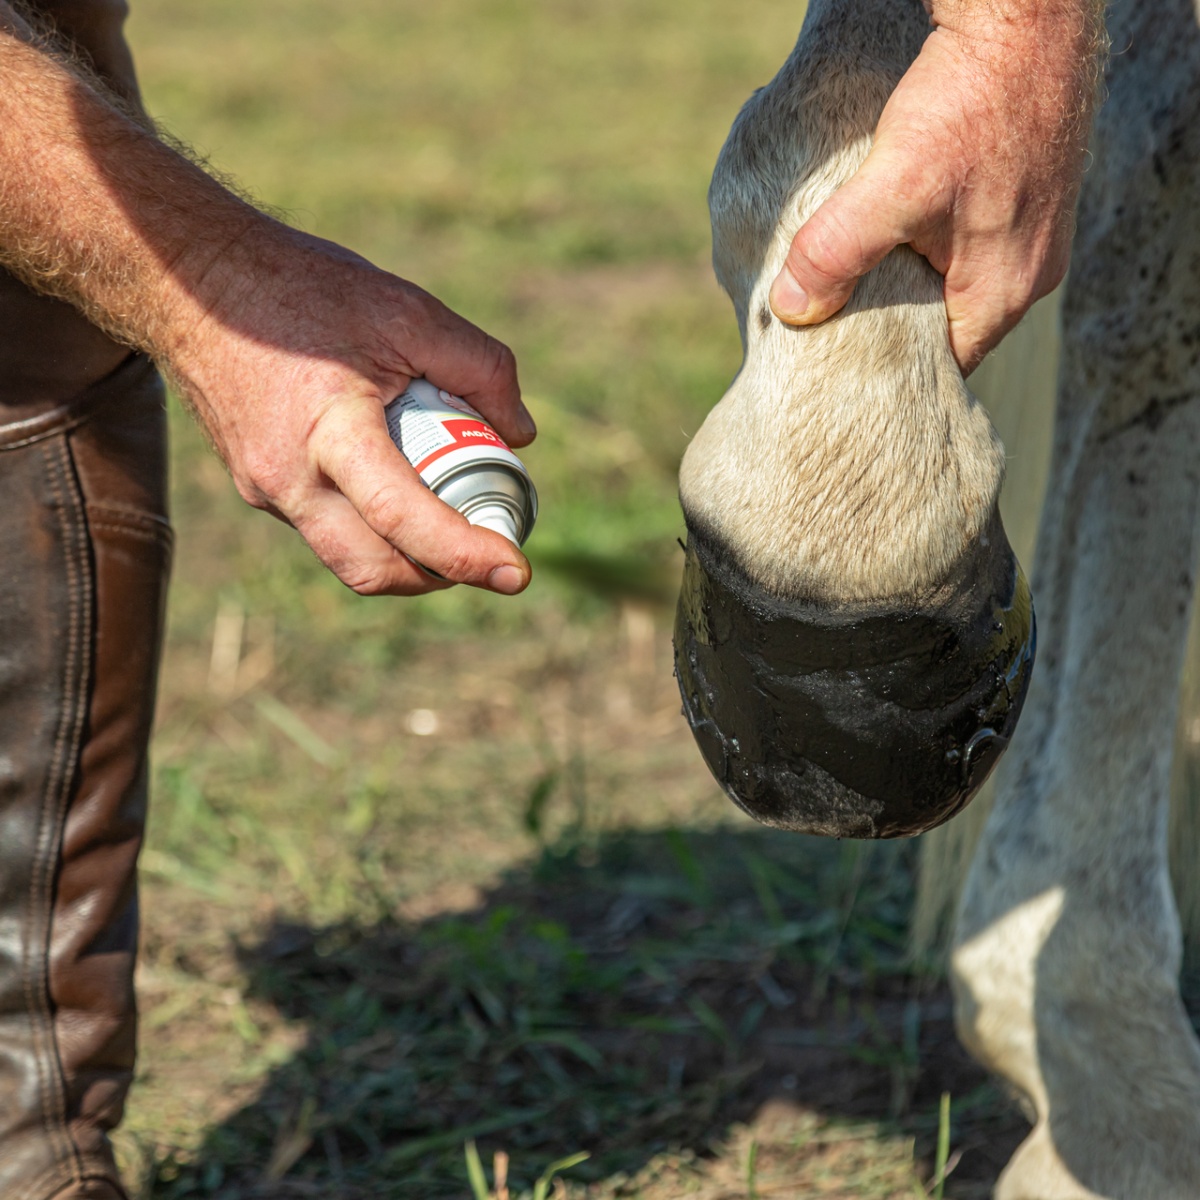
[(463, 460)]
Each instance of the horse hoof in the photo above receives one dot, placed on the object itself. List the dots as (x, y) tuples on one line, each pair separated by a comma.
[(853, 720)]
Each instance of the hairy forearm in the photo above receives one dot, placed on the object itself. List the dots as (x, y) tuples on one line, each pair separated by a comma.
[(976, 164), (1017, 16), (1036, 67), (287, 348), (98, 211), (1036, 39)]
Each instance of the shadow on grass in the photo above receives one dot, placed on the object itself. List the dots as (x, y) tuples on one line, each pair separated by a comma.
[(635, 997)]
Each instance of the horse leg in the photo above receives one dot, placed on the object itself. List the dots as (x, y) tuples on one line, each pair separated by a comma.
[(854, 636), (1068, 944)]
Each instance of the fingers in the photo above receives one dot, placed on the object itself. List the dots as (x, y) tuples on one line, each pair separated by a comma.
[(848, 235), (459, 357), (985, 306), (357, 555), (352, 448), (976, 332)]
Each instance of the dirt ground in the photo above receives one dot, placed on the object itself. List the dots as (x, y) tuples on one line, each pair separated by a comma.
[(598, 955)]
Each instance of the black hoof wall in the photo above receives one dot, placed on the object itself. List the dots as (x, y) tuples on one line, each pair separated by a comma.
[(852, 723)]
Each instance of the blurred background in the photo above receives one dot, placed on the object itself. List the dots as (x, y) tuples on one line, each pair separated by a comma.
[(430, 874)]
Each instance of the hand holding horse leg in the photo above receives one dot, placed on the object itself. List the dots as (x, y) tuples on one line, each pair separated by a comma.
[(976, 164)]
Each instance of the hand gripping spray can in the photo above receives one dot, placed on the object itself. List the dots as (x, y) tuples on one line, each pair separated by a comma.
[(463, 460)]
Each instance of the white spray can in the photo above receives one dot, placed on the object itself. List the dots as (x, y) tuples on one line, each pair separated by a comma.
[(463, 460)]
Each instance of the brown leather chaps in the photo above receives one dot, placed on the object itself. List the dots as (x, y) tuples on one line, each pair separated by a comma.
[(84, 556)]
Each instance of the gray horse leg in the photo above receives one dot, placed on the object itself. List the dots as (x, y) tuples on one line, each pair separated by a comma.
[(1068, 946)]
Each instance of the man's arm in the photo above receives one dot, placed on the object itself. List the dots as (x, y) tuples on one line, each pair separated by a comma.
[(285, 346), (976, 163)]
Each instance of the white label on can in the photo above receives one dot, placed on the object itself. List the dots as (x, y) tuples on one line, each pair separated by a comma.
[(429, 424)]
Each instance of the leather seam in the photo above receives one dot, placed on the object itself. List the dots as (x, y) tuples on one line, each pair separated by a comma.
[(119, 518), (127, 512), (37, 974), (156, 537), (64, 488), (52, 1182)]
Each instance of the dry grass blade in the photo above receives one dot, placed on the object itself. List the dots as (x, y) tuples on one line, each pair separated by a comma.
[(292, 1143), (500, 1174), (294, 727)]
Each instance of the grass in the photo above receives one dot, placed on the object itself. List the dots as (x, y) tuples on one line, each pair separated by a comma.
[(430, 873), (628, 997), (541, 1189)]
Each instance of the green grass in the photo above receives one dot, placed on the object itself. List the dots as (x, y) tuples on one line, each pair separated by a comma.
[(622, 996), (528, 920)]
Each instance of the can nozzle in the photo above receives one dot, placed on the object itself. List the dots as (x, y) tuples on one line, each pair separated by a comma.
[(498, 519)]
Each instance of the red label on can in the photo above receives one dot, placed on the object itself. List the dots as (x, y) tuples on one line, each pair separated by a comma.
[(464, 432)]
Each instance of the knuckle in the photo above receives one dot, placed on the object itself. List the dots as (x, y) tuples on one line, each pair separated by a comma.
[(506, 360), (817, 249), (386, 512), (457, 565), (251, 493), (500, 364), (264, 496), (910, 171), (369, 574), (365, 579), (832, 248), (262, 476)]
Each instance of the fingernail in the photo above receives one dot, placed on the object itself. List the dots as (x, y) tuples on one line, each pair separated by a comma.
[(508, 581), (788, 298), (525, 422)]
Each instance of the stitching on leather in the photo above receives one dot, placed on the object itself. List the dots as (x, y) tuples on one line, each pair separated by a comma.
[(37, 983), (135, 522), (127, 512), (52, 1183), (69, 502), (81, 622), (151, 537)]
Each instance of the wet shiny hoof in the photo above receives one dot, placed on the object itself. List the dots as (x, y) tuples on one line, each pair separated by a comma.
[(853, 721)]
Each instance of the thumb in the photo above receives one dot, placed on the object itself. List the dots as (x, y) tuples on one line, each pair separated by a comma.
[(848, 235)]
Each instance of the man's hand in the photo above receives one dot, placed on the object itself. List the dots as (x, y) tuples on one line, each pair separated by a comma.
[(299, 346), (286, 347), (976, 164)]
